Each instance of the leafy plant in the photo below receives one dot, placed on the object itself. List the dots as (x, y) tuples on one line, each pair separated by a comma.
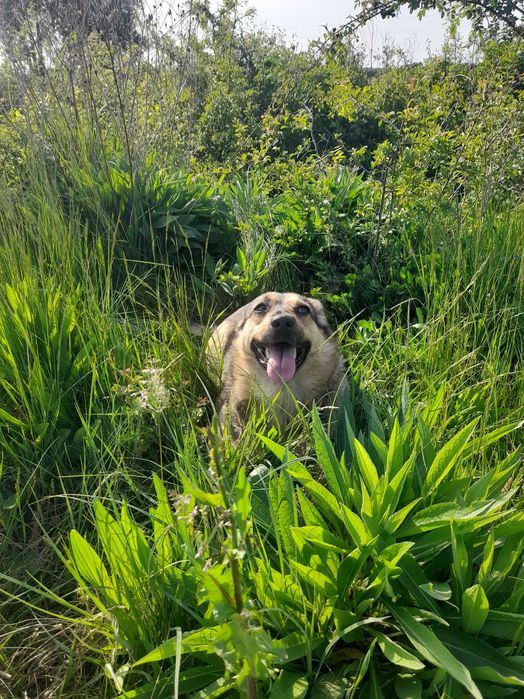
[(393, 569), (44, 366), (158, 216)]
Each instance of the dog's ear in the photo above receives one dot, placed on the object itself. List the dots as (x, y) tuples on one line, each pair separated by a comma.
[(319, 315)]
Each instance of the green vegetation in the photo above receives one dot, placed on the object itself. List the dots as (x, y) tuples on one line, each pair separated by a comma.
[(154, 177)]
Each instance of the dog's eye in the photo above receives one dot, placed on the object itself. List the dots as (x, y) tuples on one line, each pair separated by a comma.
[(261, 308), (302, 310)]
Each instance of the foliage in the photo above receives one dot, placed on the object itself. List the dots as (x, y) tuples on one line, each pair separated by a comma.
[(44, 371), (153, 184), (506, 16), (395, 561), (155, 216)]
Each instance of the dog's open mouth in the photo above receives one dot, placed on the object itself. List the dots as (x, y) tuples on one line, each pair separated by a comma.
[(280, 360)]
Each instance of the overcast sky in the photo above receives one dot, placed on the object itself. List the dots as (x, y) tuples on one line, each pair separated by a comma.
[(305, 19)]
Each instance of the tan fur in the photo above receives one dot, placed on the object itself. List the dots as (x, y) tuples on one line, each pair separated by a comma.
[(320, 379)]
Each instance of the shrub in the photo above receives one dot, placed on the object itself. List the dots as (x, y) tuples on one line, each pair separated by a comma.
[(396, 569)]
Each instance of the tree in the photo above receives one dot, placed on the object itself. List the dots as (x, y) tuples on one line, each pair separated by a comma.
[(496, 16), (112, 20)]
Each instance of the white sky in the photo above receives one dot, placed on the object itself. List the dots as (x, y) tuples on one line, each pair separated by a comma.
[(304, 20)]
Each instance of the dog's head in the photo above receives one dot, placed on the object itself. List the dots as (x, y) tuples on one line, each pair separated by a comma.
[(280, 331)]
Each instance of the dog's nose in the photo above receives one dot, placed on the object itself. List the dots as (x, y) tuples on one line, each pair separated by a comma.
[(283, 321)]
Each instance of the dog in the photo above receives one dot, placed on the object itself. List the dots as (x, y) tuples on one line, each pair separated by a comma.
[(280, 352)]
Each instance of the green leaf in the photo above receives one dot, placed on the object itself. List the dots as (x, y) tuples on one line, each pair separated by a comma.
[(487, 558), (319, 537), (212, 499), (460, 558), (90, 567), (484, 661), (173, 646), (290, 685), (355, 527), (408, 686), (330, 687), (336, 475), (282, 453), (397, 654), (433, 650), (504, 625), (446, 458), (440, 591), (349, 569), (7, 417), (475, 608), (395, 455), (327, 502), (311, 515), (318, 580), (296, 645), (367, 467), (283, 509)]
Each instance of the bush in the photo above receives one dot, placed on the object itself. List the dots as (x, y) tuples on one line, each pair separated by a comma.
[(396, 569)]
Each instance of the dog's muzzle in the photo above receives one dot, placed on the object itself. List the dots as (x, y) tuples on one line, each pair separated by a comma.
[(281, 360)]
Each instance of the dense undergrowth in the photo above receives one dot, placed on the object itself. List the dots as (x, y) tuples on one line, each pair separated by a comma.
[(143, 555)]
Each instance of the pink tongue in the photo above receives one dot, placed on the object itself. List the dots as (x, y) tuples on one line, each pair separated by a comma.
[(281, 364)]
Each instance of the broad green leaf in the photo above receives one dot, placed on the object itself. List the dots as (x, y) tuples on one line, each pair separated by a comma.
[(350, 568), (447, 457), (397, 654), (330, 686), (487, 558), (90, 566), (511, 525), (506, 557), (505, 625), (395, 552), (475, 608), (242, 502), (429, 518), (212, 499), (318, 580), (374, 424), (483, 661), (355, 527), (413, 580), (282, 453), (461, 560), (283, 509), (296, 645), (395, 455), (290, 685), (326, 501), (440, 591), (394, 521), (366, 466), (319, 537), (311, 515), (202, 640), (433, 650), (408, 686), (336, 475), (379, 448)]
